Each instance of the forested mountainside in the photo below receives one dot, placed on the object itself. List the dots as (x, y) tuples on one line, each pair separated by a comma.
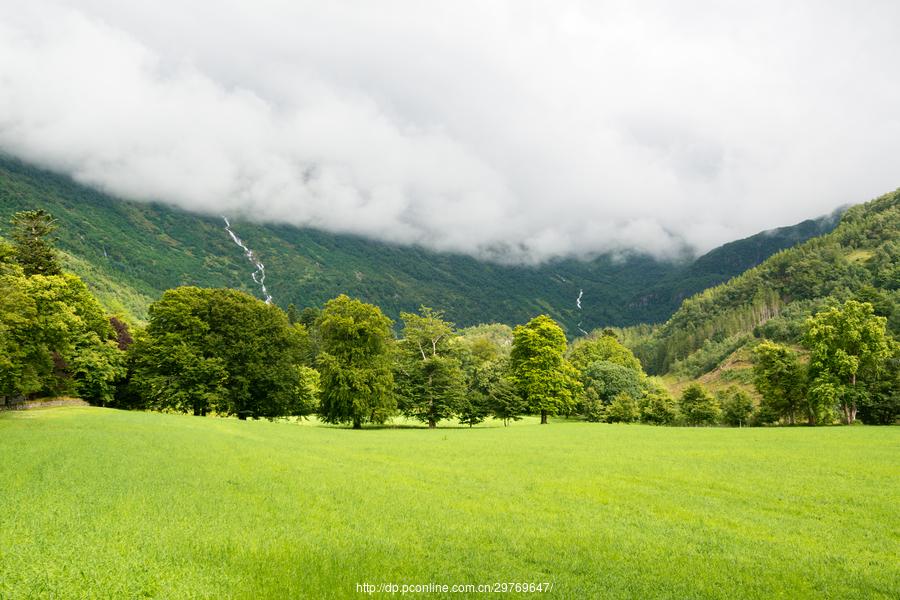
[(859, 259), (130, 252)]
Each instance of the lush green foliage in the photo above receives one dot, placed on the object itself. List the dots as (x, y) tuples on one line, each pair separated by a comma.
[(604, 347), (34, 249), (737, 406), (54, 338), (543, 377), (657, 407), (698, 406), (603, 382), (354, 360), (622, 409), (860, 260), (848, 349), (430, 379), (781, 380), (113, 504), (852, 365), (222, 351)]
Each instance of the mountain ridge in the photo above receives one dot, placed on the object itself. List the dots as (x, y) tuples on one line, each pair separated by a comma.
[(129, 252)]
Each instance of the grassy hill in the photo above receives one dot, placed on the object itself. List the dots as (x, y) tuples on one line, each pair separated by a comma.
[(101, 503), (859, 259), (130, 252)]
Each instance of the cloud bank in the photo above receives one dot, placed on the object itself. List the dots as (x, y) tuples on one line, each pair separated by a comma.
[(508, 130)]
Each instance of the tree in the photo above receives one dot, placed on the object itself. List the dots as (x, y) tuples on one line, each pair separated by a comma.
[(698, 406), (431, 384), (54, 336), (737, 406), (542, 376), (656, 405), (222, 351), (22, 355), (848, 346), (309, 392), (622, 409), (292, 315), (174, 373), (604, 380), (882, 404), (484, 343), (591, 406), (473, 409), (355, 363), (33, 244), (505, 403), (483, 352), (8, 264), (74, 346), (124, 338), (781, 381), (607, 348)]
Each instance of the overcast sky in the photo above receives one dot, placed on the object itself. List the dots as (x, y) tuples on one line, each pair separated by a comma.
[(520, 129)]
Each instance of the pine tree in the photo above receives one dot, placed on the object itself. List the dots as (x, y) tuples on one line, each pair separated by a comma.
[(31, 235)]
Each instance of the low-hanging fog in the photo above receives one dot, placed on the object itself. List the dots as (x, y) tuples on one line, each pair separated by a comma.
[(519, 130)]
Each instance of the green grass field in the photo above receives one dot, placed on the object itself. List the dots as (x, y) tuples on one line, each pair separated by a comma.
[(99, 503)]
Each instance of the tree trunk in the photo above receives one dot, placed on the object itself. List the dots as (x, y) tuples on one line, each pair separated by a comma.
[(357, 424), (431, 423), (846, 410), (196, 411), (543, 417)]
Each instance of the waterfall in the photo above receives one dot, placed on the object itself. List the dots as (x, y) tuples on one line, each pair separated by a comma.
[(578, 304), (259, 275)]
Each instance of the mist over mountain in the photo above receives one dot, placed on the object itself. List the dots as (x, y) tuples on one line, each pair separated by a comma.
[(515, 132), (129, 253)]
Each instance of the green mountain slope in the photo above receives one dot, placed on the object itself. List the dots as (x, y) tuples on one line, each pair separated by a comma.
[(130, 252), (859, 259)]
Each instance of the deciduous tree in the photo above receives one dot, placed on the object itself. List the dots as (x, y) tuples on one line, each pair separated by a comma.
[(781, 381), (220, 350), (737, 406), (698, 406), (848, 346), (355, 363), (431, 384), (540, 372), (656, 404)]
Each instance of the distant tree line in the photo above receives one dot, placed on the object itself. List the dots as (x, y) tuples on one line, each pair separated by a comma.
[(223, 352)]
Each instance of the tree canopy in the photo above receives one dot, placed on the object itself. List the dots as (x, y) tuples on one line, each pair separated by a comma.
[(430, 379), (355, 363), (698, 406), (848, 347), (542, 376), (224, 351), (33, 242)]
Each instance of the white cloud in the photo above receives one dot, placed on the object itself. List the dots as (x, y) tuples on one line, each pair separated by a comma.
[(522, 130)]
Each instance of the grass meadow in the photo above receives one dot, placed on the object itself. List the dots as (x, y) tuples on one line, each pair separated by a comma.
[(99, 503)]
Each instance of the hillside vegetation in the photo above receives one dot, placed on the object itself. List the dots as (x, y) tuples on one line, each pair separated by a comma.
[(129, 253), (860, 260)]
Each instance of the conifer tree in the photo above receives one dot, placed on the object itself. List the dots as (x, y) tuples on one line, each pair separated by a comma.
[(31, 235)]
